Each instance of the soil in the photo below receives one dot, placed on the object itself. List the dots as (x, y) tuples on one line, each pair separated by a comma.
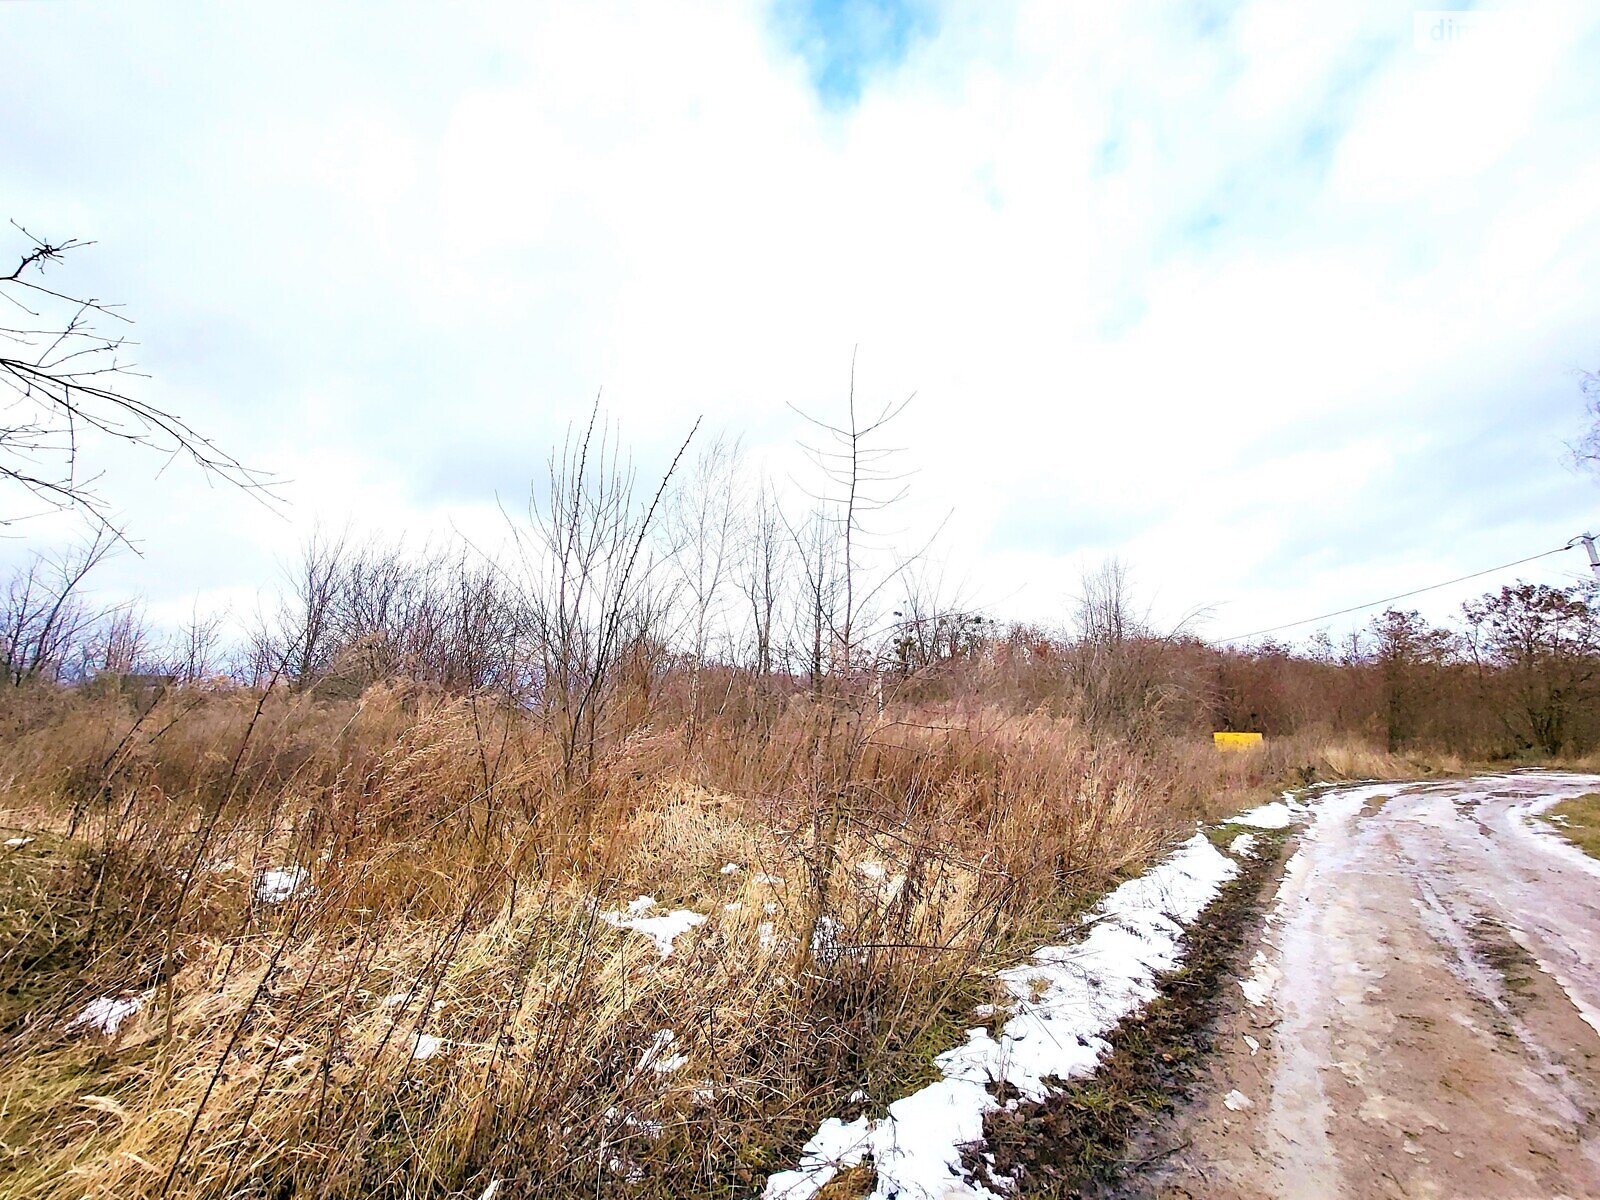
[(1077, 1141), (1431, 1019)]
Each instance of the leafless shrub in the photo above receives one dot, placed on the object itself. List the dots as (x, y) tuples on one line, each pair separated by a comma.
[(45, 619)]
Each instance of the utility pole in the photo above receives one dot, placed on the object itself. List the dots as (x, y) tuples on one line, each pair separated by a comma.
[(1594, 559)]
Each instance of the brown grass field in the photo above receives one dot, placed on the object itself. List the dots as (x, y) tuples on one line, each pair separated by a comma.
[(455, 887)]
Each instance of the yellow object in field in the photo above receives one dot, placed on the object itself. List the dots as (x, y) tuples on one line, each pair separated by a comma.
[(1236, 741)]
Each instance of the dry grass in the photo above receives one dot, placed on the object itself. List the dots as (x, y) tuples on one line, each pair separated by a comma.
[(456, 890), (1578, 820)]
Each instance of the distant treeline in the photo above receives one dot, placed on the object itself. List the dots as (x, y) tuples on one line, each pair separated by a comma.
[(617, 607)]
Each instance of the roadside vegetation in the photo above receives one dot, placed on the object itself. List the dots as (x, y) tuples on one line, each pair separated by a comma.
[(1578, 820), (614, 864)]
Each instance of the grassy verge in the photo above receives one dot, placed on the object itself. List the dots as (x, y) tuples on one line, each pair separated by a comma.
[(1578, 820), (1078, 1140)]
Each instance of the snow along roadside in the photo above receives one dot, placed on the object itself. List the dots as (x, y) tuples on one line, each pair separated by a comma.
[(1066, 999), (1525, 819)]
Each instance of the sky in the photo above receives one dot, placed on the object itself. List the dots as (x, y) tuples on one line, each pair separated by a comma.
[(1284, 305)]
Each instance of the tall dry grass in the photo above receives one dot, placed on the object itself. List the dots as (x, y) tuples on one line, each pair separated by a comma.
[(456, 886)]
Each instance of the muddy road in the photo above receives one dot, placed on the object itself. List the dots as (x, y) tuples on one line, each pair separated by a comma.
[(1423, 1018)]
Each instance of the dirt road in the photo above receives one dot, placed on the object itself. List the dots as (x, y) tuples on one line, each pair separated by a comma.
[(1423, 1019)]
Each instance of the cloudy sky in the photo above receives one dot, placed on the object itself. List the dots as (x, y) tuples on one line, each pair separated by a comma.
[(1283, 304)]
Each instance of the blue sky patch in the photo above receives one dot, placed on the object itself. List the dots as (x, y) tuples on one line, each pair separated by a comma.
[(845, 42)]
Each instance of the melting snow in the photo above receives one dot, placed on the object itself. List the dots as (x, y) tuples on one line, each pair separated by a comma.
[(732, 868), (1264, 975), (278, 884), (663, 930), (1237, 1100), (1065, 1000), (1241, 845), (107, 1014), (656, 1057), (1275, 815), (426, 1046), (1521, 819)]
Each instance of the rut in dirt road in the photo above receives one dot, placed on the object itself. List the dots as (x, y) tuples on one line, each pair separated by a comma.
[(1423, 1018)]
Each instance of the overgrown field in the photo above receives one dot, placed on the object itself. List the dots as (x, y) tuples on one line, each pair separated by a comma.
[(387, 946)]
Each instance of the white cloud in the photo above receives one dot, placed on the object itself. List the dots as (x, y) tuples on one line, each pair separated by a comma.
[(1200, 294)]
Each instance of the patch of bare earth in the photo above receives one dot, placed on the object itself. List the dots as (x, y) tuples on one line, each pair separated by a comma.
[(1423, 1035)]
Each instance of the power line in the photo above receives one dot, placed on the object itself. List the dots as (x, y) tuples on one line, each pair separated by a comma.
[(1432, 587)]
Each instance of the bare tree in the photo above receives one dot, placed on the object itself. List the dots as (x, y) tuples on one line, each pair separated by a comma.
[(195, 652), (702, 530), (1120, 668), (1544, 643), (930, 626), (1586, 451), (64, 383), (1407, 651), (858, 479), (119, 643), (44, 620), (763, 569), (585, 584)]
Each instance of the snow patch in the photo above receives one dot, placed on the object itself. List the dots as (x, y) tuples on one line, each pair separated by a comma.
[(1528, 820), (732, 868), (657, 1059), (825, 943), (17, 843), (1273, 815), (1264, 976), (426, 1046), (663, 930), (1242, 845), (1237, 1101), (1065, 1000), (276, 885), (107, 1014)]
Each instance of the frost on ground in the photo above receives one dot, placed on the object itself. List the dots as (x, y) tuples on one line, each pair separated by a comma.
[(663, 930), (1522, 818), (1065, 1000), (107, 1014), (277, 885)]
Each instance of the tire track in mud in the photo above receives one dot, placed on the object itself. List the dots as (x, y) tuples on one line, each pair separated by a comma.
[(1429, 975)]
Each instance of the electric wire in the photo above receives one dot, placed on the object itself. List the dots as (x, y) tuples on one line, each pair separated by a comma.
[(1432, 587)]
